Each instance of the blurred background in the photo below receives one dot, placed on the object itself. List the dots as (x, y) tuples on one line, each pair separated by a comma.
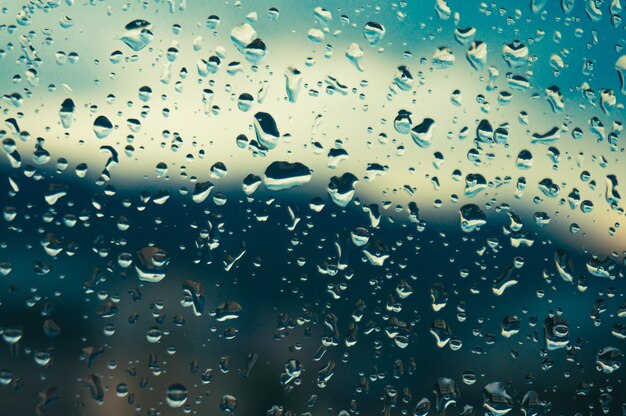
[(107, 240)]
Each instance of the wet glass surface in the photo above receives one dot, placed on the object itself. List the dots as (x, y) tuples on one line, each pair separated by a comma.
[(312, 208)]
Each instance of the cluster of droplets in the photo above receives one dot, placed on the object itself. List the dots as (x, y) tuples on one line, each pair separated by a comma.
[(358, 285)]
